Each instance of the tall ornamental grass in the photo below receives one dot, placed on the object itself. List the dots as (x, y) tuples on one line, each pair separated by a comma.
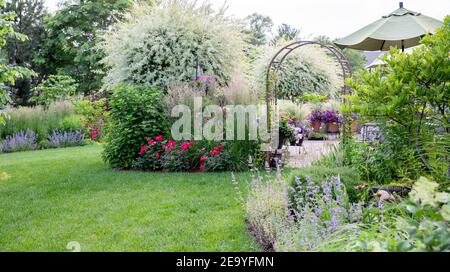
[(58, 116)]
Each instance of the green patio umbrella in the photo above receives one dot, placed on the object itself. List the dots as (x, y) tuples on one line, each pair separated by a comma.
[(402, 29)]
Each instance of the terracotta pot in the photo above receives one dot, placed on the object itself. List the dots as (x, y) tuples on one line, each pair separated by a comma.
[(332, 127), (316, 126)]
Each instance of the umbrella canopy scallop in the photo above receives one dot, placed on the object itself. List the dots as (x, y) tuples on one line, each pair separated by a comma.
[(402, 29)]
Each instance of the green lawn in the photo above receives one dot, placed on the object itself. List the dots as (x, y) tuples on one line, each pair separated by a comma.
[(56, 196)]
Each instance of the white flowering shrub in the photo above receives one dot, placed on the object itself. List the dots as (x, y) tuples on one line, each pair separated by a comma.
[(162, 44), (309, 69)]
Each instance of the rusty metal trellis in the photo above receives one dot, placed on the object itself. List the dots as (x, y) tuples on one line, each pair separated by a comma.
[(280, 56)]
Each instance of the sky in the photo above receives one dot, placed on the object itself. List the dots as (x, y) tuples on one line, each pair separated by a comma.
[(333, 18)]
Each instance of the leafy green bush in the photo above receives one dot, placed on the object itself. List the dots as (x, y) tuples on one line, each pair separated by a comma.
[(94, 116), (409, 96), (373, 161), (54, 88), (58, 116), (163, 44), (71, 123), (136, 112), (348, 176), (421, 225)]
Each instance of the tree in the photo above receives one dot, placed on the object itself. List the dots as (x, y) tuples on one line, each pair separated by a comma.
[(258, 27), (8, 73), (72, 38), (356, 58), (409, 97), (286, 32), (29, 20), (54, 88)]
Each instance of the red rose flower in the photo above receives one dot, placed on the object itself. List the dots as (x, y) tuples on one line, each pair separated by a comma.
[(185, 146), (171, 144), (202, 159), (143, 150), (157, 156), (202, 167), (212, 153), (164, 147), (159, 138), (150, 141)]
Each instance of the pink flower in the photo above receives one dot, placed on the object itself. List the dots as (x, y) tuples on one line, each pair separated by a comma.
[(150, 141), (202, 159), (360, 187), (164, 147), (185, 146), (171, 144), (159, 138), (212, 153), (202, 167), (157, 156), (143, 150)]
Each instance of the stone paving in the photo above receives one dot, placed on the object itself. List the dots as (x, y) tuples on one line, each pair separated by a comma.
[(309, 152)]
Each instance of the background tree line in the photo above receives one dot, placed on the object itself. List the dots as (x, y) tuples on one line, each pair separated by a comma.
[(64, 44)]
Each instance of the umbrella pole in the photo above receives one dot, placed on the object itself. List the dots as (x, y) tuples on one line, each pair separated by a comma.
[(403, 45)]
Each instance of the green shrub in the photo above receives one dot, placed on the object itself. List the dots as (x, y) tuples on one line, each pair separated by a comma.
[(409, 96), (57, 116), (95, 116), (348, 176), (136, 112), (376, 163), (72, 123), (54, 88)]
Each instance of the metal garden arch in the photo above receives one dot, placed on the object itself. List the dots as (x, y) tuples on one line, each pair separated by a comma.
[(280, 56)]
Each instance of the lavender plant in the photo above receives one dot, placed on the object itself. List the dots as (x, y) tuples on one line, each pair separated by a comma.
[(318, 213), (315, 214), (65, 139), (20, 141)]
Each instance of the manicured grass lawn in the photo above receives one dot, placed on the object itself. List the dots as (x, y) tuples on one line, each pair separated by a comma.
[(56, 196)]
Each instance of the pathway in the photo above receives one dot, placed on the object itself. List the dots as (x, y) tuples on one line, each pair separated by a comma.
[(310, 152)]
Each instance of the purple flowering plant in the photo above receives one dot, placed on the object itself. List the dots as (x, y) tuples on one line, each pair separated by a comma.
[(65, 139), (317, 116), (318, 211), (332, 117), (21, 141)]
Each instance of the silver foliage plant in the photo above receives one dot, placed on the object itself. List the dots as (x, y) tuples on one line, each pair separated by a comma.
[(163, 43)]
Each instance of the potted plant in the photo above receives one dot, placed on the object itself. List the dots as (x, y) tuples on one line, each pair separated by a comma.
[(316, 119), (285, 132), (332, 119), (298, 132)]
